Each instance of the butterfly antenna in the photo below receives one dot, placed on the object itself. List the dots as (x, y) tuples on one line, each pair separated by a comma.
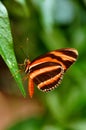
[(27, 42), (23, 51)]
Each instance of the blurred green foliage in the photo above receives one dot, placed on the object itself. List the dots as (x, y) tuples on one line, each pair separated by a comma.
[(6, 46), (39, 26)]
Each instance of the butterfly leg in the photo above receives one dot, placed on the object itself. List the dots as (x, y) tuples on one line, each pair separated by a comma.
[(30, 87)]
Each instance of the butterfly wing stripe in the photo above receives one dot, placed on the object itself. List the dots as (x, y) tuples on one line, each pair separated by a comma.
[(39, 60), (42, 65), (51, 83), (63, 56), (42, 70), (47, 58), (52, 57), (42, 59), (46, 75), (49, 87), (65, 63), (69, 51)]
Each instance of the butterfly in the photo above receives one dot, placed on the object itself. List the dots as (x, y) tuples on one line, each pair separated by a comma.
[(47, 70)]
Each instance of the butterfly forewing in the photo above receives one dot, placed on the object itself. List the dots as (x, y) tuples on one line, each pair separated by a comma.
[(47, 70), (66, 57)]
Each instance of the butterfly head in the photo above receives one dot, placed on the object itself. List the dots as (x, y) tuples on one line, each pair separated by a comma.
[(26, 64)]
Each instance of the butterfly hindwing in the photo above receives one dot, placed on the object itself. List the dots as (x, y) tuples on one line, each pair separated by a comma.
[(47, 75)]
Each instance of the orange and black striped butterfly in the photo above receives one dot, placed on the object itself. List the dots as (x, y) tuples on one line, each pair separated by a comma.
[(47, 70)]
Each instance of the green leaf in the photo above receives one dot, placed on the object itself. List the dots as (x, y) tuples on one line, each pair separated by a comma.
[(6, 47)]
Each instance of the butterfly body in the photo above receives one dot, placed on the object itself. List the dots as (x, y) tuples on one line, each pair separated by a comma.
[(47, 70)]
